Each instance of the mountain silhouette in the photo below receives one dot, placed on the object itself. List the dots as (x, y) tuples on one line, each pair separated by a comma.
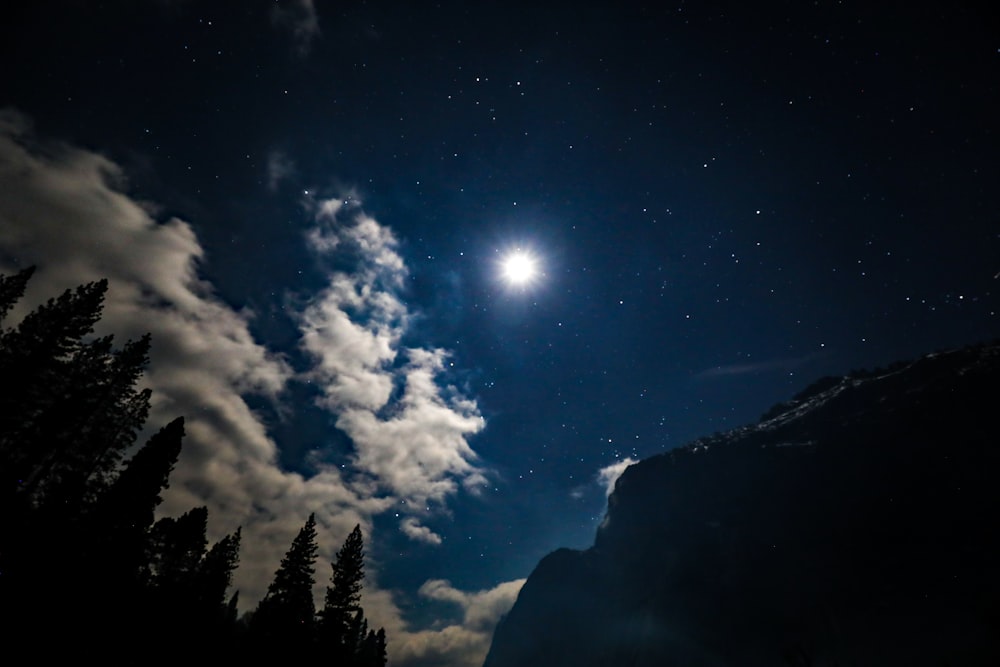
[(856, 524)]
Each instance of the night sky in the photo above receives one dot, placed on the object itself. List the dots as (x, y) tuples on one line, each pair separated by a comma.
[(309, 205)]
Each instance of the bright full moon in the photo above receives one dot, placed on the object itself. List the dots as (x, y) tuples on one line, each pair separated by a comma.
[(519, 268)]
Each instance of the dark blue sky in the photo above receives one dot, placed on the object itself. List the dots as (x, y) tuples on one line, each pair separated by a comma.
[(726, 201)]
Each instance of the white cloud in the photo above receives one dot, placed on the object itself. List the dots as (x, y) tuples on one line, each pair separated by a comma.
[(299, 17), (63, 209), (461, 644), (482, 609), (608, 475), (412, 529), (410, 434)]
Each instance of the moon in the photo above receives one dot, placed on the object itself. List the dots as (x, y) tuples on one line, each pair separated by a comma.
[(519, 268)]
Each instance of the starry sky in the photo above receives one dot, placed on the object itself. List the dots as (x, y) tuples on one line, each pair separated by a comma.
[(309, 205)]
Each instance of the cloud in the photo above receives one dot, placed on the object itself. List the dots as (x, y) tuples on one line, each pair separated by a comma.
[(461, 644), (788, 364), (481, 609), (410, 433), (64, 210), (608, 475), (298, 17), (279, 168), (412, 529)]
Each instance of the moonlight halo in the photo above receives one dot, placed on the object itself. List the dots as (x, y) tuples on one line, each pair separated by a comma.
[(519, 268)]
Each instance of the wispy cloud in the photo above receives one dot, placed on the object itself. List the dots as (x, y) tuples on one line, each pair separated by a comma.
[(608, 475), (410, 433), (767, 366), (300, 19), (279, 168), (412, 528)]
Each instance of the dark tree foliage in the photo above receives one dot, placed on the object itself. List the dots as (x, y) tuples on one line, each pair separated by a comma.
[(130, 502), (69, 405), (77, 545), (176, 549), (285, 626), (12, 289), (117, 529), (215, 575), (285, 616), (340, 623), (372, 652), (344, 636), (81, 549), (176, 561)]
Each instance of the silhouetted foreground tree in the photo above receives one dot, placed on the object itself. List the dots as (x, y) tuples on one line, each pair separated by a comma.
[(285, 623), (285, 616), (343, 628), (83, 560), (69, 407)]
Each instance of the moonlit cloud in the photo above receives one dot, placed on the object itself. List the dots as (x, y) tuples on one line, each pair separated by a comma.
[(608, 475), (299, 18), (72, 219), (463, 643), (410, 433), (481, 609), (412, 529)]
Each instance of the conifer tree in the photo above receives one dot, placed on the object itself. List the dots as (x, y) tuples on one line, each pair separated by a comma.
[(215, 574), (35, 360), (344, 635), (177, 547), (373, 651), (11, 290), (69, 409), (284, 617), (339, 619), (114, 536), (129, 503), (69, 406)]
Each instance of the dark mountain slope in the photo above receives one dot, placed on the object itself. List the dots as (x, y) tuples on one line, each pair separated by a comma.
[(854, 525)]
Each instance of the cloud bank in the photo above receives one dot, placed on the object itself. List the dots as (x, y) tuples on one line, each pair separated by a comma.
[(65, 210)]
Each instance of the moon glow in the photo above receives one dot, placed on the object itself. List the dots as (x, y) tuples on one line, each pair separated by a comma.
[(519, 268)]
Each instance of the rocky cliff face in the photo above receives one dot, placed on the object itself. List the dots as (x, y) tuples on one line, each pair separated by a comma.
[(855, 525)]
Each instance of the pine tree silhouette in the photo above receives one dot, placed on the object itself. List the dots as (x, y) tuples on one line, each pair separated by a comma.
[(339, 624), (215, 575), (69, 406), (69, 410), (11, 290), (344, 636), (283, 621)]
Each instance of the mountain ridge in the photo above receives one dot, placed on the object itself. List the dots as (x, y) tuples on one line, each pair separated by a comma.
[(852, 524)]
